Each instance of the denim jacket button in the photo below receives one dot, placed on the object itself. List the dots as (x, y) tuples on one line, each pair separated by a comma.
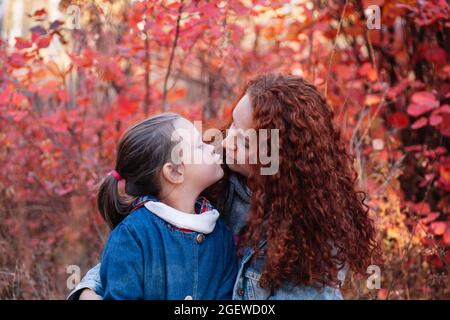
[(200, 238), (240, 292), (188, 298)]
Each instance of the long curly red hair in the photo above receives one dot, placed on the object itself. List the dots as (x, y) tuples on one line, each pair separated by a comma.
[(314, 220)]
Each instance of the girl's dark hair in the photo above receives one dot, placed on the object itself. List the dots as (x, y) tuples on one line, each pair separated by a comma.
[(142, 151)]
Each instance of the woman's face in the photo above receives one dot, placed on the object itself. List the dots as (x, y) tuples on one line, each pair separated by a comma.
[(238, 140)]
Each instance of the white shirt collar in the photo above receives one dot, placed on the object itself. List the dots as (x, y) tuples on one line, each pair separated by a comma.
[(203, 223)]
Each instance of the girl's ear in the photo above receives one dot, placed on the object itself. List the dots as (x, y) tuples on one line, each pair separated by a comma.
[(173, 173)]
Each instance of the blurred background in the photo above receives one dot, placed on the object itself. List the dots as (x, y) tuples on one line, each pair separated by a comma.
[(75, 74)]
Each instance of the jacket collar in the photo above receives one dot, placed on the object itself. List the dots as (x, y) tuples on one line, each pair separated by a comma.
[(240, 187), (202, 223)]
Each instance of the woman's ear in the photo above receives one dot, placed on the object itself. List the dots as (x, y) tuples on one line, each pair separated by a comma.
[(173, 173)]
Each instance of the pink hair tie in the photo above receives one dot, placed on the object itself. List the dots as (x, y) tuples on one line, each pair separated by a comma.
[(115, 174)]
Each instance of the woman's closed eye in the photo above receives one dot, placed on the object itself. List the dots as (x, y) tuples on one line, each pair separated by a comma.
[(243, 141)]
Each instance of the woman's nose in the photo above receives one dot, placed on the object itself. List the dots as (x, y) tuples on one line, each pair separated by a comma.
[(210, 148)]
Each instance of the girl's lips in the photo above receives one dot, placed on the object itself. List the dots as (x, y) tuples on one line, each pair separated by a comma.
[(217, 158)]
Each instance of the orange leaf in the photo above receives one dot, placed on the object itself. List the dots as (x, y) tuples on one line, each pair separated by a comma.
[(372, 99), (382, 294), (368, 71), (176, 94)]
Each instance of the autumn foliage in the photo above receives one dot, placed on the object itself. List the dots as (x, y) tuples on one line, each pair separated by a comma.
[(66, 95)]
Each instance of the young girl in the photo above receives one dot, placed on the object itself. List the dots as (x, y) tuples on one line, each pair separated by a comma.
[(166, 242), (301, 229)]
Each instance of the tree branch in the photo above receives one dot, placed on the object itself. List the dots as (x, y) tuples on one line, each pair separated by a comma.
[(172, 54)]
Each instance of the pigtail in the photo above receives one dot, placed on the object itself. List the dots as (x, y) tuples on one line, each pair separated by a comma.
[(113, 206)]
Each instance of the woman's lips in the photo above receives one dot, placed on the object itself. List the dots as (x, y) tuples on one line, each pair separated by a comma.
[(229, 159)]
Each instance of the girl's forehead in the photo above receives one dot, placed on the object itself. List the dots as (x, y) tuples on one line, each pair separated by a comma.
[(186, 130)]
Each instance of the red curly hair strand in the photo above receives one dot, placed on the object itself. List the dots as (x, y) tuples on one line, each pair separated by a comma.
[(314, 220)]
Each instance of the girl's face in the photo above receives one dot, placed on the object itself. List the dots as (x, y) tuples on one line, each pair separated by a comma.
[(201, 164), (237, 141)]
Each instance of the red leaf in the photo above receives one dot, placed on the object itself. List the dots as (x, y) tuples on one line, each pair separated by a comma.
[(17, 60), (416, 110), (209, 10), (414, 148), (436, 54), (126, 105), (438, 228), (368, 71), (18, 98), (425, 98), (44, 42), (443, 109), (422, 122), (63, 95), (437, 262), (18, 115), (445, 124), (22, 43), (398, 89), (431, 217), (435, 120), (85, 59), (446, 236), (398, 120), (41, 12)]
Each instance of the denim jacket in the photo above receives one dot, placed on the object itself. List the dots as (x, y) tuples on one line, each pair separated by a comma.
[(147, 258), (246, 286)]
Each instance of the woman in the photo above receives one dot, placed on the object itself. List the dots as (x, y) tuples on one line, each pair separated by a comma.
[(303, 227)]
